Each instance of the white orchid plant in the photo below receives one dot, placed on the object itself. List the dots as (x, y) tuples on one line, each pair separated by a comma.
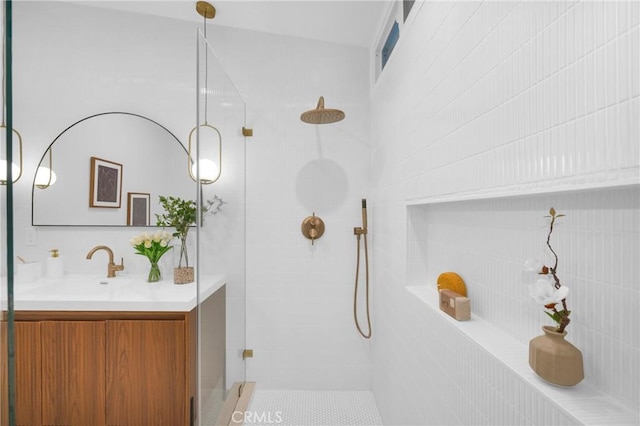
[(547, 290)]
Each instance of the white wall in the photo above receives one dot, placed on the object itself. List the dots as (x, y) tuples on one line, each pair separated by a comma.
[(299, 296), (72, 61), (501, 99)]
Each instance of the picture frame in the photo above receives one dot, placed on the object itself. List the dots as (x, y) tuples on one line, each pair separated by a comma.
[(138, 209), (105, 186)]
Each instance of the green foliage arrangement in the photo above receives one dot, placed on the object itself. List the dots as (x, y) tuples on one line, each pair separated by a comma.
[(181, 215)]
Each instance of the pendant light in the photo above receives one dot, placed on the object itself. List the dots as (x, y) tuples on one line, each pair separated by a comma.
[(45, 176), (16, 169), (204, 168)]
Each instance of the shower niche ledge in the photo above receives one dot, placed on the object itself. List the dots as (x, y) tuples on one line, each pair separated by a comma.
[(486, 241), (582, 404)]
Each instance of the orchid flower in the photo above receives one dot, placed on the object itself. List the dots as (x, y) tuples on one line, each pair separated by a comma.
[(545, 293), (547, 290)]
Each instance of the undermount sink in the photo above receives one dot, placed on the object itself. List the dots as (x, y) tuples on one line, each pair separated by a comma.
[(93, 292), (75, 287)]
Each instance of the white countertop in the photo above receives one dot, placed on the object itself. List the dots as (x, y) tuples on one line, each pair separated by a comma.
[(97, 293)]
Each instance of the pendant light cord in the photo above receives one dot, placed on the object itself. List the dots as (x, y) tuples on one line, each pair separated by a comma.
[(206, 68)]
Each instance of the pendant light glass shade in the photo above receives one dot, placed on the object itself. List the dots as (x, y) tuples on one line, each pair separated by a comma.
[(16, 168), (15, 172), (45, 177), (208, 170)]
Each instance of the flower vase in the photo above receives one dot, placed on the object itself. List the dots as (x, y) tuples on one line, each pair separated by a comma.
[(554, 359), (183, 274), (155, 274)]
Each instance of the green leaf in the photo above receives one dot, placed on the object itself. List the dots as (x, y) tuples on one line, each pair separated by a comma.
[(554, 317)]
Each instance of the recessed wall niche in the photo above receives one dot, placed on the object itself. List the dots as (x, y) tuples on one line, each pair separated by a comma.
[(486, 241)]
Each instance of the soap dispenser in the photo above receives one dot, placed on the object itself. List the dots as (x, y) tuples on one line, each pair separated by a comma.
[(55, 268)]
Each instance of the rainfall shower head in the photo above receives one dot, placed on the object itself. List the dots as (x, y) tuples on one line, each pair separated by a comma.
[(320, 115)]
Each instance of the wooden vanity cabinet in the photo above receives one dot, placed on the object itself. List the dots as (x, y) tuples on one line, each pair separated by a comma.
[(146, 373), (104, 368), (73, 372), (28, 371)]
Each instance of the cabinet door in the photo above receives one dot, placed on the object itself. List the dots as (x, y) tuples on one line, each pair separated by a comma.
[(73, 366), (146, 382), (28, 373)]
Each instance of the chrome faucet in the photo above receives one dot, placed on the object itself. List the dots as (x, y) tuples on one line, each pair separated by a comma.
[(111, 266)]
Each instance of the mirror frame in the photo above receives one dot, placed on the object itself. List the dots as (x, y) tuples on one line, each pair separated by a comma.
[(33, 185)]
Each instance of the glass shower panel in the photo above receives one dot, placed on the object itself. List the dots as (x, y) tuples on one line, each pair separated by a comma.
[(220, 236), (6, 238)]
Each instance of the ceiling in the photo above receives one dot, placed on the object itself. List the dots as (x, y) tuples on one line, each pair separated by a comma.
[(352, 22)]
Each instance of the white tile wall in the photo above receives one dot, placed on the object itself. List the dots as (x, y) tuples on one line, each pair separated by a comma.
[(478, 99), (299, 296), (485, 241), (503, 99)]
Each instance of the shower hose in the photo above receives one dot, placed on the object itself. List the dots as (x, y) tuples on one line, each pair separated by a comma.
[(355, 295)]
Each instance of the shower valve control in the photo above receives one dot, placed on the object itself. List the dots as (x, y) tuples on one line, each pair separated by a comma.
[(312, 227)]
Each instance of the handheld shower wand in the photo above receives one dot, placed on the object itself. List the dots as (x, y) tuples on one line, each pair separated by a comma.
[(362, 230), (359, 232), (364, 215)]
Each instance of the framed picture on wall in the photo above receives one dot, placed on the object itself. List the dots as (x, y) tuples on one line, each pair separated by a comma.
[(105, 187), (138, 208)]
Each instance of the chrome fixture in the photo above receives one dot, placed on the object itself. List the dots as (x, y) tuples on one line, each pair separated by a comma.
[(45, 176), (362, 232), (205, 169), (322, 115), (111, 266), (312, 227)]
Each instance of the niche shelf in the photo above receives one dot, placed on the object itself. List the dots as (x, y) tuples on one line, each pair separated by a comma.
[(584, 404), (485, 237)]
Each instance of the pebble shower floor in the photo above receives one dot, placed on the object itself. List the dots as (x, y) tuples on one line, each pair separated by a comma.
[(312, 408)]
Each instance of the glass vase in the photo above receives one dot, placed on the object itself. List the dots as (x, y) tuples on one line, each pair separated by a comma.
[(155, 274), (183, 263)]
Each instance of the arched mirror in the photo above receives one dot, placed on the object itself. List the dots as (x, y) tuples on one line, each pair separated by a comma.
[(109, 170)]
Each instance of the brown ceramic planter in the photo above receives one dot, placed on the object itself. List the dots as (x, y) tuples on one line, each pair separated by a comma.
[(554, 359)]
